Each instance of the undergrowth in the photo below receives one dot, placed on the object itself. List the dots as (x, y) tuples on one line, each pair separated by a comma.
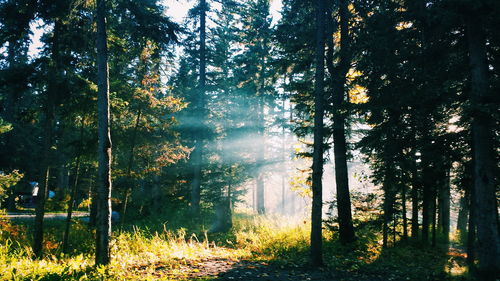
[(161, 252)]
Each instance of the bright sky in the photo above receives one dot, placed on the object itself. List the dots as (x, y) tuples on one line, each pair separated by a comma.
[(177, 10)]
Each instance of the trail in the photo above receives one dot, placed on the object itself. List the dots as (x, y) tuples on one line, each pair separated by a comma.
[(46, 216), (228, 269)]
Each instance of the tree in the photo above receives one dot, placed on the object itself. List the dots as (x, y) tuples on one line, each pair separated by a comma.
[(340, 98), (51, 101), (103, 224), (485, 186), (197, 154), (255, 78), (317, 168)]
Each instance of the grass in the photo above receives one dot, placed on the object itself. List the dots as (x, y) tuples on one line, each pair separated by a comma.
[(160, 252)]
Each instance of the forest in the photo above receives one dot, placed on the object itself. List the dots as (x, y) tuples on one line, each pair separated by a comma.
[(249, 140)]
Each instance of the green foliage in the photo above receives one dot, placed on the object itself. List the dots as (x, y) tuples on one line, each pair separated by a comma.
[(8, 180), (168, 251)]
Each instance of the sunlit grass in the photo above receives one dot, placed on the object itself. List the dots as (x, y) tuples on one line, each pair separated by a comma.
[(136, 255), (277, 238), (140, 253)]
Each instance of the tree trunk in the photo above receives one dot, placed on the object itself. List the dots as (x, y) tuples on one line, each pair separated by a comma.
[(283, 159), (444, 205), (48, 126), (103, 223), (156, 193), (405, 218), (93, 204), (63, 177), (72, 198), (427, 197), (198, 148), (260, 191), (415, 186), (317, 167), (471, 231), (40, 211), (463, 214), (483, 153), (388, 207), (128, 191), (223, 214), (346, 229), (434, 217)]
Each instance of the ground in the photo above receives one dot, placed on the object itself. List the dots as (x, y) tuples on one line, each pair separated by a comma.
[(257, 248), (226, 269)]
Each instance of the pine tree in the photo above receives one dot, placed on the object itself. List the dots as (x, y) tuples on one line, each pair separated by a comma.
[(103, 221), (317, 169)]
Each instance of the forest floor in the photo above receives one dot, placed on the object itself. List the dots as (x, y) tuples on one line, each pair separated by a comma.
[(257, 248), (228, 269)]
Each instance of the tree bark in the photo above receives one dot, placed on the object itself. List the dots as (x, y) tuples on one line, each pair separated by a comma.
[(93, 204), (427, 197), (198, 148), (72, 198), (48, 126), (317, 166), (405, 218), (434, 217), (444, 203), (389, 200), (463, 214), (128, 191), (414, 206), (103, 223), (483, 153), (39, 212), (346, 229), (283, 158), (260, 191), (471, 231)]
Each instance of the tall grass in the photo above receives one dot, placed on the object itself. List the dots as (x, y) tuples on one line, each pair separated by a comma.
[(157, 252)]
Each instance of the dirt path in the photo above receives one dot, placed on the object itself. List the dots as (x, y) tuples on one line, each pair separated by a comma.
[(226, 270), (46, 216)]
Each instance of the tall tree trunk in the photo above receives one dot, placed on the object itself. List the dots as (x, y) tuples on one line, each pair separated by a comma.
[(156, 193), (427, 197), (199, 141), (389, 200), (444, 205), (223, 213), (63, 177), (415, 188), (40, 211), (317, 166), (93, 198), (405, 218), (48, 126), (346, 228), (72, 198), (434, 217), (483, 152), (414, 208), (292, 195), (103, 223), (471, 231), (463, 214), (128, 191), (283, 158), (260, 191)]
